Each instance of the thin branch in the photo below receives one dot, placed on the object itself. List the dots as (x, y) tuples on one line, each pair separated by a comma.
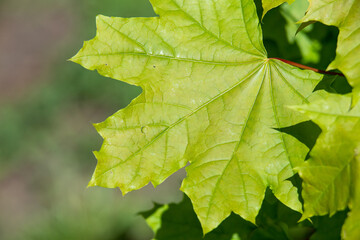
[(309, 68)]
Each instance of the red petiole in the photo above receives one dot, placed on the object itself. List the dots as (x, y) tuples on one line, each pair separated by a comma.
[(308, 68)]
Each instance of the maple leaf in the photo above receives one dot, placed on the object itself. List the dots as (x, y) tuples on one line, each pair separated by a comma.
[(331, 179), (178, 221), (210, 97), (346, 16), (351, 227), (275, 221)]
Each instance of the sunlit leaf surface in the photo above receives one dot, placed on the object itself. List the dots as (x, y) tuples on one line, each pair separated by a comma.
[(210, 97)]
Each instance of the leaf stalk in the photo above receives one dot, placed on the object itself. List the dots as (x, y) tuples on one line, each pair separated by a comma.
[(309, 68)]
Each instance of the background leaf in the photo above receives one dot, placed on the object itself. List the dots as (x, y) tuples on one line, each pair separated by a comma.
[(269, 4), (346, 16), (274, 222), (331, 175)]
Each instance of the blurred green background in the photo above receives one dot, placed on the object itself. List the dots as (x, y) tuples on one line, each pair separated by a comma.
[(48, 105)]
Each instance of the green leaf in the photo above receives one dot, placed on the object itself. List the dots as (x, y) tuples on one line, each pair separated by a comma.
[(210, 97), (331, 175), (274, 222), (278, 222), (351, 228), (346, 16), (270, 4), (179, 221), (153, 216)]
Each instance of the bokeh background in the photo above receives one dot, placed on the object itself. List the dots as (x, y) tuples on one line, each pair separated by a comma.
[(48, 105)]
